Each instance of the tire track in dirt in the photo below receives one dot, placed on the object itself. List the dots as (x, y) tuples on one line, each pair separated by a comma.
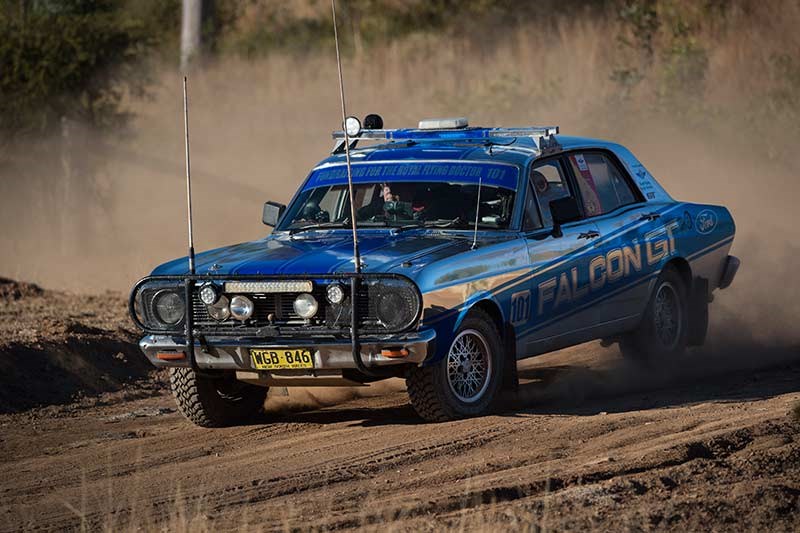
[(667, 457), (716, 449)]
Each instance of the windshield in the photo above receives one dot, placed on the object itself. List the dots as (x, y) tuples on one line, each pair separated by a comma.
[(402, 203)]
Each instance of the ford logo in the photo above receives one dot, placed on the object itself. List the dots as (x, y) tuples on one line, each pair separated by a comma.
[(706, 221)]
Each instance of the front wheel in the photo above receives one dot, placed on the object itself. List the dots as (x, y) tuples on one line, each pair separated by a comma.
[(663, 332), (215, 400), (467, 381)]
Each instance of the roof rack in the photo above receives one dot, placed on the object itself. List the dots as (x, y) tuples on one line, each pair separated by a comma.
[(541, 135)]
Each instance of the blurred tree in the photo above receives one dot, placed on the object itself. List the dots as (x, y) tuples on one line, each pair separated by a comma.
[(66, 68), (73, 59)]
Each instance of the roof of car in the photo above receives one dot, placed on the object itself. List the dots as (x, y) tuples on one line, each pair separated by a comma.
[(519, 150)]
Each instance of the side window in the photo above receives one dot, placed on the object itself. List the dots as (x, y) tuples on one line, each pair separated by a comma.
[(549, 184), (330, 202), (532, 219), (602, 187)]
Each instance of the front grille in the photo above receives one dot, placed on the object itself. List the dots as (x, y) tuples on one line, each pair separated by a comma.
[(330, 319), (396, 296)]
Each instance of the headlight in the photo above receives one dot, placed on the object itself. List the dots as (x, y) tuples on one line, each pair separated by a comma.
[(335, 293), (168, 307), (306, 305), (396, 304), (220, 310), (209, 294), (241, 307)]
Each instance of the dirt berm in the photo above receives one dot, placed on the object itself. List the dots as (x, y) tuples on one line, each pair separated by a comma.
[(56, 347)]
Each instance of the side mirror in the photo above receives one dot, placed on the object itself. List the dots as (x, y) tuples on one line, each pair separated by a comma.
[(272, 213), (563, 210)]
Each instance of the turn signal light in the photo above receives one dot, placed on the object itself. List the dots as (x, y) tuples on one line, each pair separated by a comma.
[(394, 352), (171, 356)]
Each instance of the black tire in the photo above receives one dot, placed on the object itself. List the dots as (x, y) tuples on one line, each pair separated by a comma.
[(661, 335), (438, 395), (215, 401)]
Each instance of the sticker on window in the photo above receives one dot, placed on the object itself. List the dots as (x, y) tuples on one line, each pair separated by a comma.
[(581, 162)]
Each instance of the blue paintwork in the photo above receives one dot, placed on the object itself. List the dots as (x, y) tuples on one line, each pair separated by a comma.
[(508, 269)]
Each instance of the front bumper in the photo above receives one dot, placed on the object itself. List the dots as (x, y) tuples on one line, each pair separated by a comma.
[(225, 353)]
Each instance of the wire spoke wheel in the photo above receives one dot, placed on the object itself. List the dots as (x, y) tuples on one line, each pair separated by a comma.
[(667, 315), (469, 366)]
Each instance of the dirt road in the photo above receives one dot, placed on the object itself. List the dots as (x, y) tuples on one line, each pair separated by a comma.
[(588, 448)]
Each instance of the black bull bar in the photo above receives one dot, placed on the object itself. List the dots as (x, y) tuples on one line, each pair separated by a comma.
[(190, 280)]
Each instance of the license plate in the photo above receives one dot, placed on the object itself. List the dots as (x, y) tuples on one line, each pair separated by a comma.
[(282, 358)]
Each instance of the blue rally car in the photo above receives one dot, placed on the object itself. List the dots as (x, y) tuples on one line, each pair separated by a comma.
[(478, 247)]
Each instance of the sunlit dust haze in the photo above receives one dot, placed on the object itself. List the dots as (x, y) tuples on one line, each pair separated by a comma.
[(257, 127)]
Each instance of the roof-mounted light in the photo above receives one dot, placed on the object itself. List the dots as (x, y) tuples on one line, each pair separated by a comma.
[(443, 123), (352, 126), (373, 122), (439, 130)]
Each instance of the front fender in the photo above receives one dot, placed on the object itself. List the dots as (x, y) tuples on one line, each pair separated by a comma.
[(447, 323)]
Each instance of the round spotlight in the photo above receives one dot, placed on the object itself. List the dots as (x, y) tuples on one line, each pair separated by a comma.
[(209, 294), (220, 310), (306, 305), (335, 293), (352, 126), (373, 122), (169, 307), (241, 307)]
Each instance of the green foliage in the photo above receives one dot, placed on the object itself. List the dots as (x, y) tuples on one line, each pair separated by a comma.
[(641, 18), (659, 45), (70, 58)]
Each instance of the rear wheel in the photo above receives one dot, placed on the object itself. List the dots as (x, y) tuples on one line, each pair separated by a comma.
[(215, 401), (664, 329), (467, 381)]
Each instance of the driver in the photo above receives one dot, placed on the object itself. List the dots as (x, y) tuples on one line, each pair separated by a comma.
[(387, 194), (378, 204)]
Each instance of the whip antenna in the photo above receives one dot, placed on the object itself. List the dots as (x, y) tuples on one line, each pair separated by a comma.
[(188, 174), (356, 254)]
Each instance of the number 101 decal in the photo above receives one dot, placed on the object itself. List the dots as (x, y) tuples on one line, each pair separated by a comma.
[(520, 307)]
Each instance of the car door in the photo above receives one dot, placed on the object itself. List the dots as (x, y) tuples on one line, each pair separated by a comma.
[(559, 262), (624, 221)]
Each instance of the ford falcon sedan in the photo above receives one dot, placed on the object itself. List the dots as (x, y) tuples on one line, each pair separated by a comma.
[(476, 247)]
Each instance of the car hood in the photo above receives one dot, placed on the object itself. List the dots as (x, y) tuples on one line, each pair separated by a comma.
[(320, 253)]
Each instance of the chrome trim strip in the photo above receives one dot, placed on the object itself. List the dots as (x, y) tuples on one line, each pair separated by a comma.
[(710, 248)]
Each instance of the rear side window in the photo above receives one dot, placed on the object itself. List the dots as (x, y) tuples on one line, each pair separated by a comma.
[(603, 188)]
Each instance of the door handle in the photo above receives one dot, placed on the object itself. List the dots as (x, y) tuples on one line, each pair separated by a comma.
[(650, 216), (589, 235)]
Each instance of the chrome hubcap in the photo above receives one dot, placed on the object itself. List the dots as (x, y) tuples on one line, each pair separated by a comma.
[(469, 366), (667, 315)]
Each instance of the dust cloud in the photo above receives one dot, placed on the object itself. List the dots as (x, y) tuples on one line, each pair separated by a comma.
[(257, 128)]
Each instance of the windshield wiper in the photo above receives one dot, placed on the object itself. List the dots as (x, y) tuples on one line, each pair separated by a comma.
[(322, 225), (429, 224)]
